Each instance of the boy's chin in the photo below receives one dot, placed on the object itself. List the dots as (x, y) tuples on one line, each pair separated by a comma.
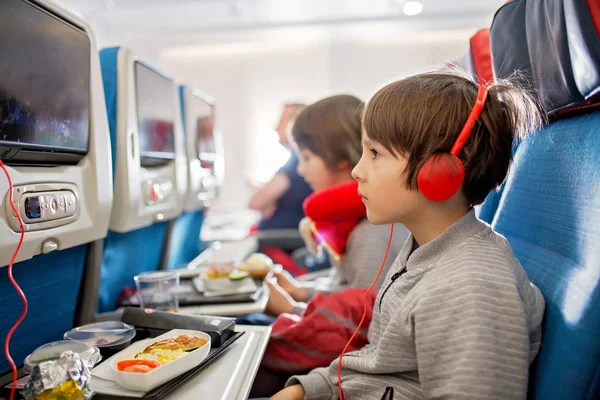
[(377, 219)]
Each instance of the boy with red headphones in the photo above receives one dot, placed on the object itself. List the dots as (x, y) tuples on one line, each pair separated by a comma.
[(457, 317)]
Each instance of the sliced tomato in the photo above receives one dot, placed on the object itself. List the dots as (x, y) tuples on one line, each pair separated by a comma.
[(140, 369), (149, 364)]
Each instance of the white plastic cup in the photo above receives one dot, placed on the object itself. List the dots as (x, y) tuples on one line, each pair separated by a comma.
[(158, 290)]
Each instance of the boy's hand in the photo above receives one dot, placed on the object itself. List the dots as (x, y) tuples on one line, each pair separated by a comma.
[(279, 301), (291, 286), (295, 392), (305, 232)]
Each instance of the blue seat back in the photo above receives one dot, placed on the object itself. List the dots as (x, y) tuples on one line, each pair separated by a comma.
[(51, 284), (549, 208), (487, 210), (108, 64), (185, 243), (125, 254), (550, 214)]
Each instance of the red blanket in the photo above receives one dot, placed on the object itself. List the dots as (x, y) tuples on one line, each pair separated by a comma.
[(315, 339)]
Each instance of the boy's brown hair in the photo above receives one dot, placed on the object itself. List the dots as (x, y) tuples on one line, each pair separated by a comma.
[(422, 115), (331, 129)]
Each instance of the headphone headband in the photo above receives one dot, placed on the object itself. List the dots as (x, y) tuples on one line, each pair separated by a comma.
[(475, 112)]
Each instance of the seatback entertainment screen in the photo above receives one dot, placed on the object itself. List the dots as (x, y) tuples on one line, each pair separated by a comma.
[(44, 86), (205, 131), (155, 100)]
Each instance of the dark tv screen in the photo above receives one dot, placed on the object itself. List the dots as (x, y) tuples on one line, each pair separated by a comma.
[(44, 86), (205, 132), (155, 100)]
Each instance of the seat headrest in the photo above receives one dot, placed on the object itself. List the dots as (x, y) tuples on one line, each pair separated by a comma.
[(561, 53), (477, 62), (510, 53), (564, 45), (481, 54)]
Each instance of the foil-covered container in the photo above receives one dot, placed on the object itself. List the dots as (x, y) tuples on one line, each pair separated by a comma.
[(64, 379)]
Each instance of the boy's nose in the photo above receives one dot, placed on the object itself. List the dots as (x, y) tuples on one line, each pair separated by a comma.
[(357, 172), (300, 169)]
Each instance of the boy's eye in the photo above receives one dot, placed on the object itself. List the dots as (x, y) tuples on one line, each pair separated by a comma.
[(375, 153), (304, 157)]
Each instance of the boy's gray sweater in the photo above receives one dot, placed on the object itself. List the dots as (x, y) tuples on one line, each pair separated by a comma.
[(462, 322)]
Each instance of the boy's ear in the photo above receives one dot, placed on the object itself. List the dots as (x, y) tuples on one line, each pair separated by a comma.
[(344, 165)]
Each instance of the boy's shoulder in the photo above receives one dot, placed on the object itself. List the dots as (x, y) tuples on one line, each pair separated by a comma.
[(484, 249), (485, 262), (482, 273)]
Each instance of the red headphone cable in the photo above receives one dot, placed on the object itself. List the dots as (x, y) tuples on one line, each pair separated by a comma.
[(364, 311), (14, 283)]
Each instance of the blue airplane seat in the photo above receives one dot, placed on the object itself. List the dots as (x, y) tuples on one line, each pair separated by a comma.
[(130, 253), (550, 204), (185, 239)]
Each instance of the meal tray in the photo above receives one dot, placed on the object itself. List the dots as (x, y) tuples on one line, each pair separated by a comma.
[(164, 390)]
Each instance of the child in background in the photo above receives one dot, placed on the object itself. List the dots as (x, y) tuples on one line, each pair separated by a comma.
[(327, 137), (279, 201), (457, 317)]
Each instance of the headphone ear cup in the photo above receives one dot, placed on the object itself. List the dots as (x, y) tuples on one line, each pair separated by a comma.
[(441, 176)]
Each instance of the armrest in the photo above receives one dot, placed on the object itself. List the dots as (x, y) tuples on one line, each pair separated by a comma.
[(286, 239), (109, 316), (230, 252), (314, 275)]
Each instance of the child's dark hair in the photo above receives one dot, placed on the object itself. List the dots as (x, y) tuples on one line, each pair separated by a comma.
[(331, 129), (422, 115)]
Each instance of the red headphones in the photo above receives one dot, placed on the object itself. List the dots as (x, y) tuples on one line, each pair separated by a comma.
[(442, 174)]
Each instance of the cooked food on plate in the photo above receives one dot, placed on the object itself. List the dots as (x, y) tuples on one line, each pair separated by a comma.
[(161, 353), (137, 365), (225, 272), (219, 271), (183, 342), (257, 265), (258, 261)]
